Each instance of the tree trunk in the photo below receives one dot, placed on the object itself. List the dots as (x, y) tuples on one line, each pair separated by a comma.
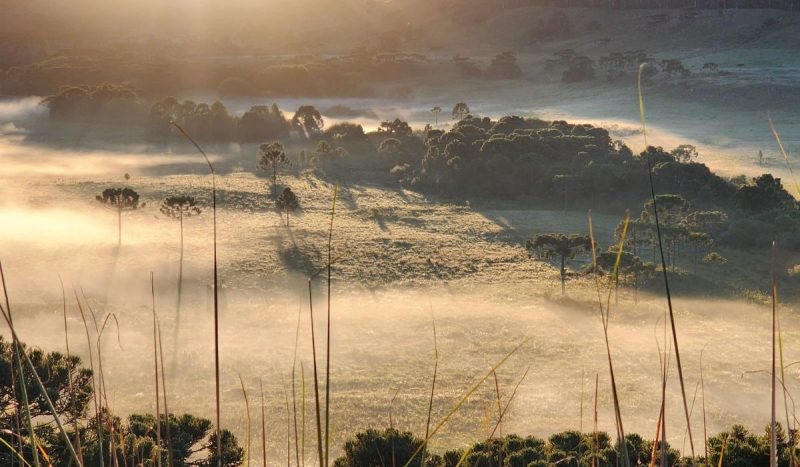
[(180, 278), (563, 275), (274, 181), (119, 225)]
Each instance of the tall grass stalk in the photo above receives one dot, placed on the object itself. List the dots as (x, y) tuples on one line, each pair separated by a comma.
[(604, 316), (317, 407), (497, 424), (783, 152), (596, 446), (773, 439), (294, 389), (170, 455), (155, 371), (664, 262), (15, 339), (23, 390), (247, 431), (104, 390), (302, 414), (216, 286), (785, 155), (583, 381), (15, 368), (263, 426), (16, 453), (703, 395), (288, 431), (499, 406), (69, 371), (433, 390), (328, 341), (462, 401), (97, 411)]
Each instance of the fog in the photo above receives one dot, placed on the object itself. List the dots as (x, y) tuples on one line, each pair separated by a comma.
[(382, 337)]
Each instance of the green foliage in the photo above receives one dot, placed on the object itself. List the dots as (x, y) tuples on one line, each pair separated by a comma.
[(69, 387), (372, 447)]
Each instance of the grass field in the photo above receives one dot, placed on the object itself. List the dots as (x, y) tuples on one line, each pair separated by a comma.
[(407, 260)]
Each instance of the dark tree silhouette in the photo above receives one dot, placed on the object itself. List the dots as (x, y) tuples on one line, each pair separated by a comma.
[(121, 199), (563, 247), (436, 111), (308, 119), (272, 156), (287, 203), (178, 207), (460, 111), (325, 153)]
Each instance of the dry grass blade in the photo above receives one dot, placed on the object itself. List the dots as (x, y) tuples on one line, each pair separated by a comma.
[(155, 371), (263, 427), (302, 415), (294, 388), (596, 446), (11, 449), (328, 341), (69, 371), (722, 452), (97, 402), (247, 431), (433, 390), (216, 286), (664, 264), (773, 438), (703, 395), (18, 349), (500, 416), (463, 400), (170, 455), (604, 316), (42, 389), (783, 153)]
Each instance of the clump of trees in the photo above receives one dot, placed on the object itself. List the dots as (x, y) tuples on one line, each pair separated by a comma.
[(215, 123), (103, 103), (504, 66), (738, 446), (70, 387)]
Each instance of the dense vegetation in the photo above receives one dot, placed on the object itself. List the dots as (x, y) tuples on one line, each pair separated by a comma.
[(738, 446), (553, 164), (133, 441), (192, 442)]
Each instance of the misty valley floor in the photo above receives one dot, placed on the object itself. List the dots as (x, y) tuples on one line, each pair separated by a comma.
[(407, 260)]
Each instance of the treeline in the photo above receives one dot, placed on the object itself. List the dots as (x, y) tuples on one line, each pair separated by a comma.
[(661, 4), (737, 446), (348, 75), (547, 163)]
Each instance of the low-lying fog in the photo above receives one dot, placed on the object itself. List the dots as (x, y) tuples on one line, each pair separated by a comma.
[(382, 338)]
